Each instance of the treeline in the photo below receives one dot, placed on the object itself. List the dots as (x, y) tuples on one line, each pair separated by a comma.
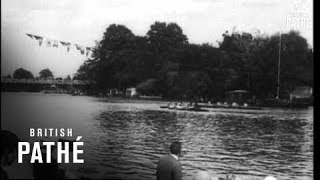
[(164, 62), (22, 73)]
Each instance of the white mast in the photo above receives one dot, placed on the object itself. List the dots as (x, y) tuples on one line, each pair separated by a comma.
[(278, 83)]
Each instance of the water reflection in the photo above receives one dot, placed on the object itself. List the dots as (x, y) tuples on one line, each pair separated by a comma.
[(130, 143), (125, 140)]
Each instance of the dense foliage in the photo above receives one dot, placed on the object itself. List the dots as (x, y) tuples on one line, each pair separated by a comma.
[(22, 74), (45, 74), (164, 62)]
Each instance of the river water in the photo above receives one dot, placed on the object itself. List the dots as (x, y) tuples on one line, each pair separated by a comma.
[(125, 138)]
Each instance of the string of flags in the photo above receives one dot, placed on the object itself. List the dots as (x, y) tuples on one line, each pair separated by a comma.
[(56, 43)]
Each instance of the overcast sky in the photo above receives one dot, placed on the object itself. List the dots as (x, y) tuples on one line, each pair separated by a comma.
[(84, 21)]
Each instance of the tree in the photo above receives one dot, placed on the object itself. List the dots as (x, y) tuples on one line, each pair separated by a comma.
[(148, 87), (294, 61), (68, 78), (120, 60), (163, 62), (163, 37), (262, 64), (7, 77), (236, 49), (46, 73), (22, 74), (86, 71), (116, 37)]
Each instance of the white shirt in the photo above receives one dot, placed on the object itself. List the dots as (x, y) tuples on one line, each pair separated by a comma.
[(174, 156)]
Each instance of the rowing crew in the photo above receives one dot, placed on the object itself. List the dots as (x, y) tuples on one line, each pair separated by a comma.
[(234, 104), (180, 105)]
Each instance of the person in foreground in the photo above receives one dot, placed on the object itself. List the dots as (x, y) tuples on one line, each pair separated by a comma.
[(9, 151), (169, 167)]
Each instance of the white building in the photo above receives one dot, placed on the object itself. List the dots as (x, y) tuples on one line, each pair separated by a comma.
[(132, 92)]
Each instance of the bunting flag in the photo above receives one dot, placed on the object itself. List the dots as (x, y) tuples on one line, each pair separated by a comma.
[(80, 48), (39, 39), (63, 43), (49, 43), (88, 49), (30, 35), (68, 47), (55, 43), (67, 44)]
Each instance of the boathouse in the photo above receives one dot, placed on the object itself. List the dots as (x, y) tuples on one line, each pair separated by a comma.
[(132, 92), (239, 96), (301, 93)]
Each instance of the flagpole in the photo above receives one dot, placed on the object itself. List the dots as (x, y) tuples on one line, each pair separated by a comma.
[(278, 83)]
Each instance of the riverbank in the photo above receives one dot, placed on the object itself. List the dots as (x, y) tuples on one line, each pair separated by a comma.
[(261, 103)]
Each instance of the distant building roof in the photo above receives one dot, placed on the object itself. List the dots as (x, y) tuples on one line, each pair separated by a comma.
[(131, 89), (302, 88), (302, 92)]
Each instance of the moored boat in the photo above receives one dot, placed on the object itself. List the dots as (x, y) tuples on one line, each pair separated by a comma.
[(180, 106), (162, 107), (227, 106), (197, 109), (172, 106)]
